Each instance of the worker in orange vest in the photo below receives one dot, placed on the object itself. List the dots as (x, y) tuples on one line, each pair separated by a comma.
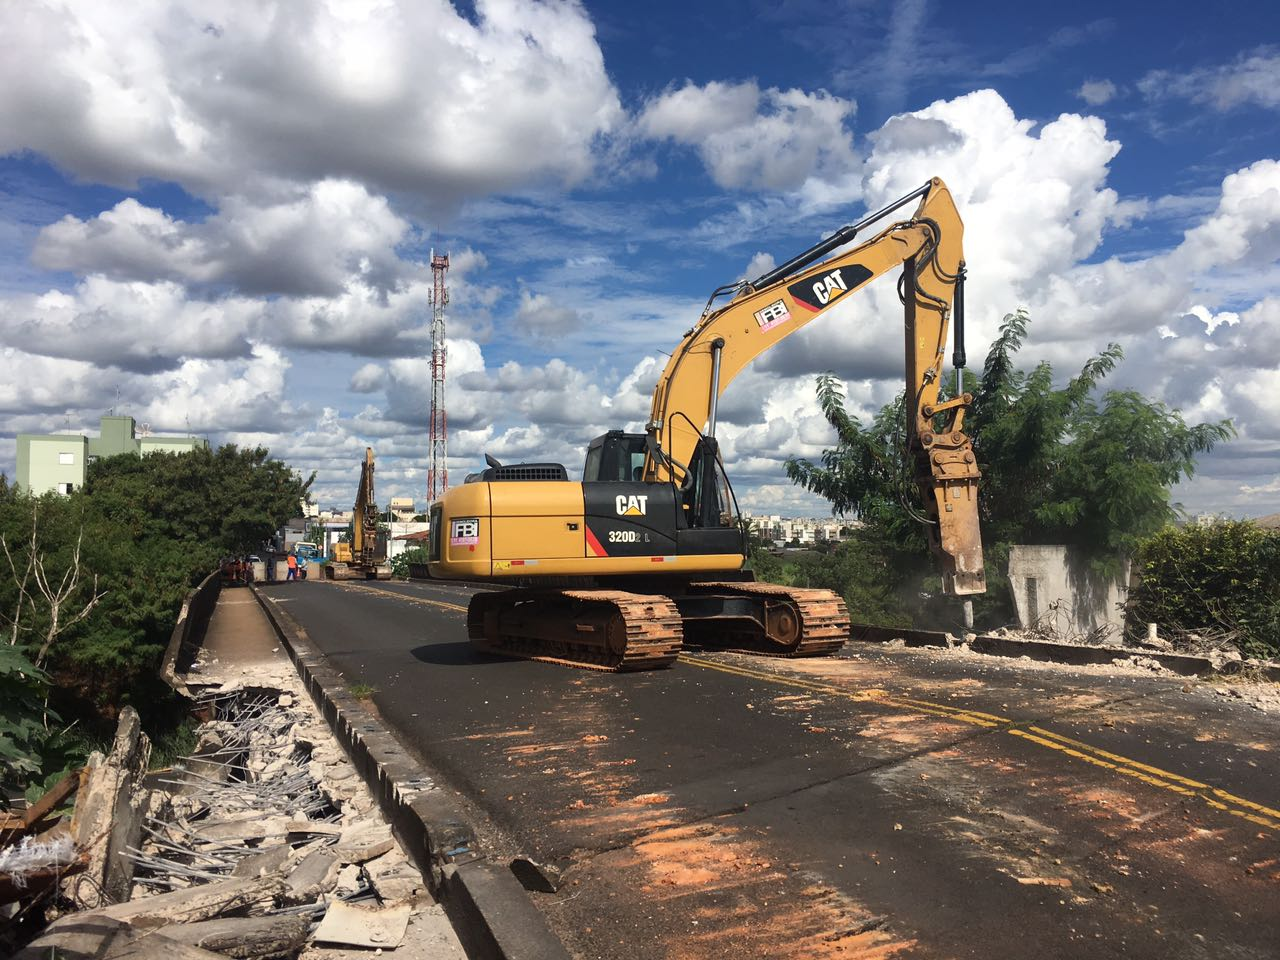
[(293, 566)]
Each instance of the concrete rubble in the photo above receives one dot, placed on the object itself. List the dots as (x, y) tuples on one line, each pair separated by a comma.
[(263, 843)]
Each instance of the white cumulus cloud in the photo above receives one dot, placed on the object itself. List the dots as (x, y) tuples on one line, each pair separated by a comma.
[(307, 245), (1097, 92), (751, 138), (406, 95)]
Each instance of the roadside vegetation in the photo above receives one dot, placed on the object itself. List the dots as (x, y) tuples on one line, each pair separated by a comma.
[(1220, 581), (91, 585), (400, 562), (1072, 464)]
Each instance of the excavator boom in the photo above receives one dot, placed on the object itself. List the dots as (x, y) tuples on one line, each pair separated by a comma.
[(929, 248)]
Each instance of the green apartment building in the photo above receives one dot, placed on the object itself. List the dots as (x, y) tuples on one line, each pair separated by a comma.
[(60, 461)]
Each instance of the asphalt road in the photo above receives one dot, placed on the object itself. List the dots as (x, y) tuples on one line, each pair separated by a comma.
[(879, 804)]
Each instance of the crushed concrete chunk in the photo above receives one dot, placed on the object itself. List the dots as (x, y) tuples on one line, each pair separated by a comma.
[(271, 860), (348, 880), (394, 877), (364, 841), (316, 873)]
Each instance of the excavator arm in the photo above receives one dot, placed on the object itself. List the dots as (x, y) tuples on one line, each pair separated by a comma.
[(928, 248), (364, 513)]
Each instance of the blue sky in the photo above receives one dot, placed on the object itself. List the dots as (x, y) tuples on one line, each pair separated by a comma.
[(226, 216)]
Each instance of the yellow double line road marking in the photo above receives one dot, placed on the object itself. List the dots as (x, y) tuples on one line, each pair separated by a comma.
[(1154, 776), (974, 717), (409, 598)]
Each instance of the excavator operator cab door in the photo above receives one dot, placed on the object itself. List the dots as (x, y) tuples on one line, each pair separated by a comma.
[(708, 521)]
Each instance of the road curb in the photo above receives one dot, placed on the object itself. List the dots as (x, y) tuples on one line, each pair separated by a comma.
[(1186, 665), (489, 908)]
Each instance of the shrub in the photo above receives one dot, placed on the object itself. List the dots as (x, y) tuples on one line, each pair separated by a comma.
[(400, 562), (1222, 578), (22, 727)]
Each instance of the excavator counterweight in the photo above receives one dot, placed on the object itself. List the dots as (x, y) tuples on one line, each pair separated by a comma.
[(648, 550)]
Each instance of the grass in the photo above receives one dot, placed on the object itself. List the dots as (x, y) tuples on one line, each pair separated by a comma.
[(362, 691), (172, 742)]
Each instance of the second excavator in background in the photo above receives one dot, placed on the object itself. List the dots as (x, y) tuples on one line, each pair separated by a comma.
[(616, 571), (364, 556)]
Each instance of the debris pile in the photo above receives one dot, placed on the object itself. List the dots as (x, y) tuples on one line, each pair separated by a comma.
[(260, 844)]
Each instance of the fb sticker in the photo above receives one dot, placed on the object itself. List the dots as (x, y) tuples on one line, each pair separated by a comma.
[(772, 315), (464, 532)]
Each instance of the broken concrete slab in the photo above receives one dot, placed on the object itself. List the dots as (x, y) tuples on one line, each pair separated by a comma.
[(394, 878), (271, 860), (318, 828), (197, 903), (316, 873), (110, 806), (364, 841), (251, 827), (360, 926), (100, 937), (244, 937), (75, 935), (139, 945)]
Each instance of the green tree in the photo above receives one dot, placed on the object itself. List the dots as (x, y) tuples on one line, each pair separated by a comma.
[(858, 572), (231, 500), (1059, 465), (315, 534), (142, 533)]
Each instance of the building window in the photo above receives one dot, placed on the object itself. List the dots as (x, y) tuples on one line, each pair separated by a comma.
[(66, 488), (66, 459)]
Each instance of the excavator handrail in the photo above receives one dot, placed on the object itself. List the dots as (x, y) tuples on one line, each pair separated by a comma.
[(838, 239)]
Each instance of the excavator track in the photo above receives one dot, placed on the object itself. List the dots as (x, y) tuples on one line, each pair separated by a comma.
[(608, 630), (804, 621)]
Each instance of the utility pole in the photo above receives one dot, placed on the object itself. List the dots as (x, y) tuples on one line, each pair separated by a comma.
[(438, 464)]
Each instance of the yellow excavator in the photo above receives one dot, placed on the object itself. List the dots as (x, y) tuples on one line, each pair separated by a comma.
[(365, 557), (615, 572)]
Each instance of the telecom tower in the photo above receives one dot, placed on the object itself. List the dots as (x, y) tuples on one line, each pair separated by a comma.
[(438, 471)]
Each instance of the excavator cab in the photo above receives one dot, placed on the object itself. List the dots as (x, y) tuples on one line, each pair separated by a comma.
[(615, 456), (704, 500)]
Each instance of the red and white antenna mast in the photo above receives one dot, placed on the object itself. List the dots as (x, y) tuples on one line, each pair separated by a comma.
[(438, 470)]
